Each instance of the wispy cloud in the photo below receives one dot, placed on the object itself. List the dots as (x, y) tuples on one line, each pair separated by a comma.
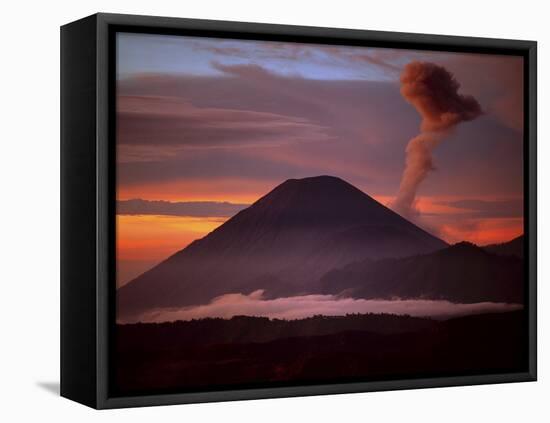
[(168, 208), (488, 208), (170, 121)]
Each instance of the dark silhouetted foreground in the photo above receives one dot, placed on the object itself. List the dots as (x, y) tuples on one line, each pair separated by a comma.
[(251, 352)]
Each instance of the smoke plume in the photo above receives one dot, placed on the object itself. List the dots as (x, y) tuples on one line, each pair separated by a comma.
[(433, 91)]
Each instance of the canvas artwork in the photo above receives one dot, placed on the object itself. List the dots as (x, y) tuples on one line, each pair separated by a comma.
[(291, 214)]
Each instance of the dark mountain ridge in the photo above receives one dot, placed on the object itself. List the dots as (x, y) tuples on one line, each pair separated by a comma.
[(283, 243), (462, 273), (514, 247)]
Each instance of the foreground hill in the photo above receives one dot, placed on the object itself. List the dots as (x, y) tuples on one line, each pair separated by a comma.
[(462, 273), (283, 244), (245, 352)]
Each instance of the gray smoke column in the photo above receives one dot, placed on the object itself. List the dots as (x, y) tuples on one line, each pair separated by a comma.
[(433, 91)]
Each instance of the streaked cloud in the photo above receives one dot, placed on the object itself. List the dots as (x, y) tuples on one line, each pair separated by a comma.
[(167, 208), (171, 123), (196, 56), (487, 208)]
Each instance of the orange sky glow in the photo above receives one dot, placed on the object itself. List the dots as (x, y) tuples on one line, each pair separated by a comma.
[(144, 241), (232, 190)]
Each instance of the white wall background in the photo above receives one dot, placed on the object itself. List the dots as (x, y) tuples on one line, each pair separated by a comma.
[(29, 193)]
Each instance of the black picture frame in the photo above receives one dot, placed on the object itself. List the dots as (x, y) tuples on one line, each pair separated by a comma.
[(88, 201)]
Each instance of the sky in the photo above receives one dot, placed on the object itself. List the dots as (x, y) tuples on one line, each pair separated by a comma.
[(207, 126)]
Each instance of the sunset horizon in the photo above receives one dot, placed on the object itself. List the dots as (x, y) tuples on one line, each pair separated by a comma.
[(185, 228)]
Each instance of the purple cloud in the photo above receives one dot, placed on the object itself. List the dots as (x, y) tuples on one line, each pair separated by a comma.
[(167, 208)]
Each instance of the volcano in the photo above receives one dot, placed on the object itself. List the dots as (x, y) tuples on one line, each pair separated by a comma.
[(283, 244)]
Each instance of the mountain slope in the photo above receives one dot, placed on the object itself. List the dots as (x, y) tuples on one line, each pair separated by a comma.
[(510, 248), (283, 243), (461, 273)]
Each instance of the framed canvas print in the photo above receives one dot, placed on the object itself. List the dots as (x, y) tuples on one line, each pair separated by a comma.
[(255, 211)]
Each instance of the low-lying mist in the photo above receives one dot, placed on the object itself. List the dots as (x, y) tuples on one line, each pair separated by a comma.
[(299, 307)]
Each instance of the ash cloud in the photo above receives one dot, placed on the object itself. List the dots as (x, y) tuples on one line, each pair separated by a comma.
[(433, 91)]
